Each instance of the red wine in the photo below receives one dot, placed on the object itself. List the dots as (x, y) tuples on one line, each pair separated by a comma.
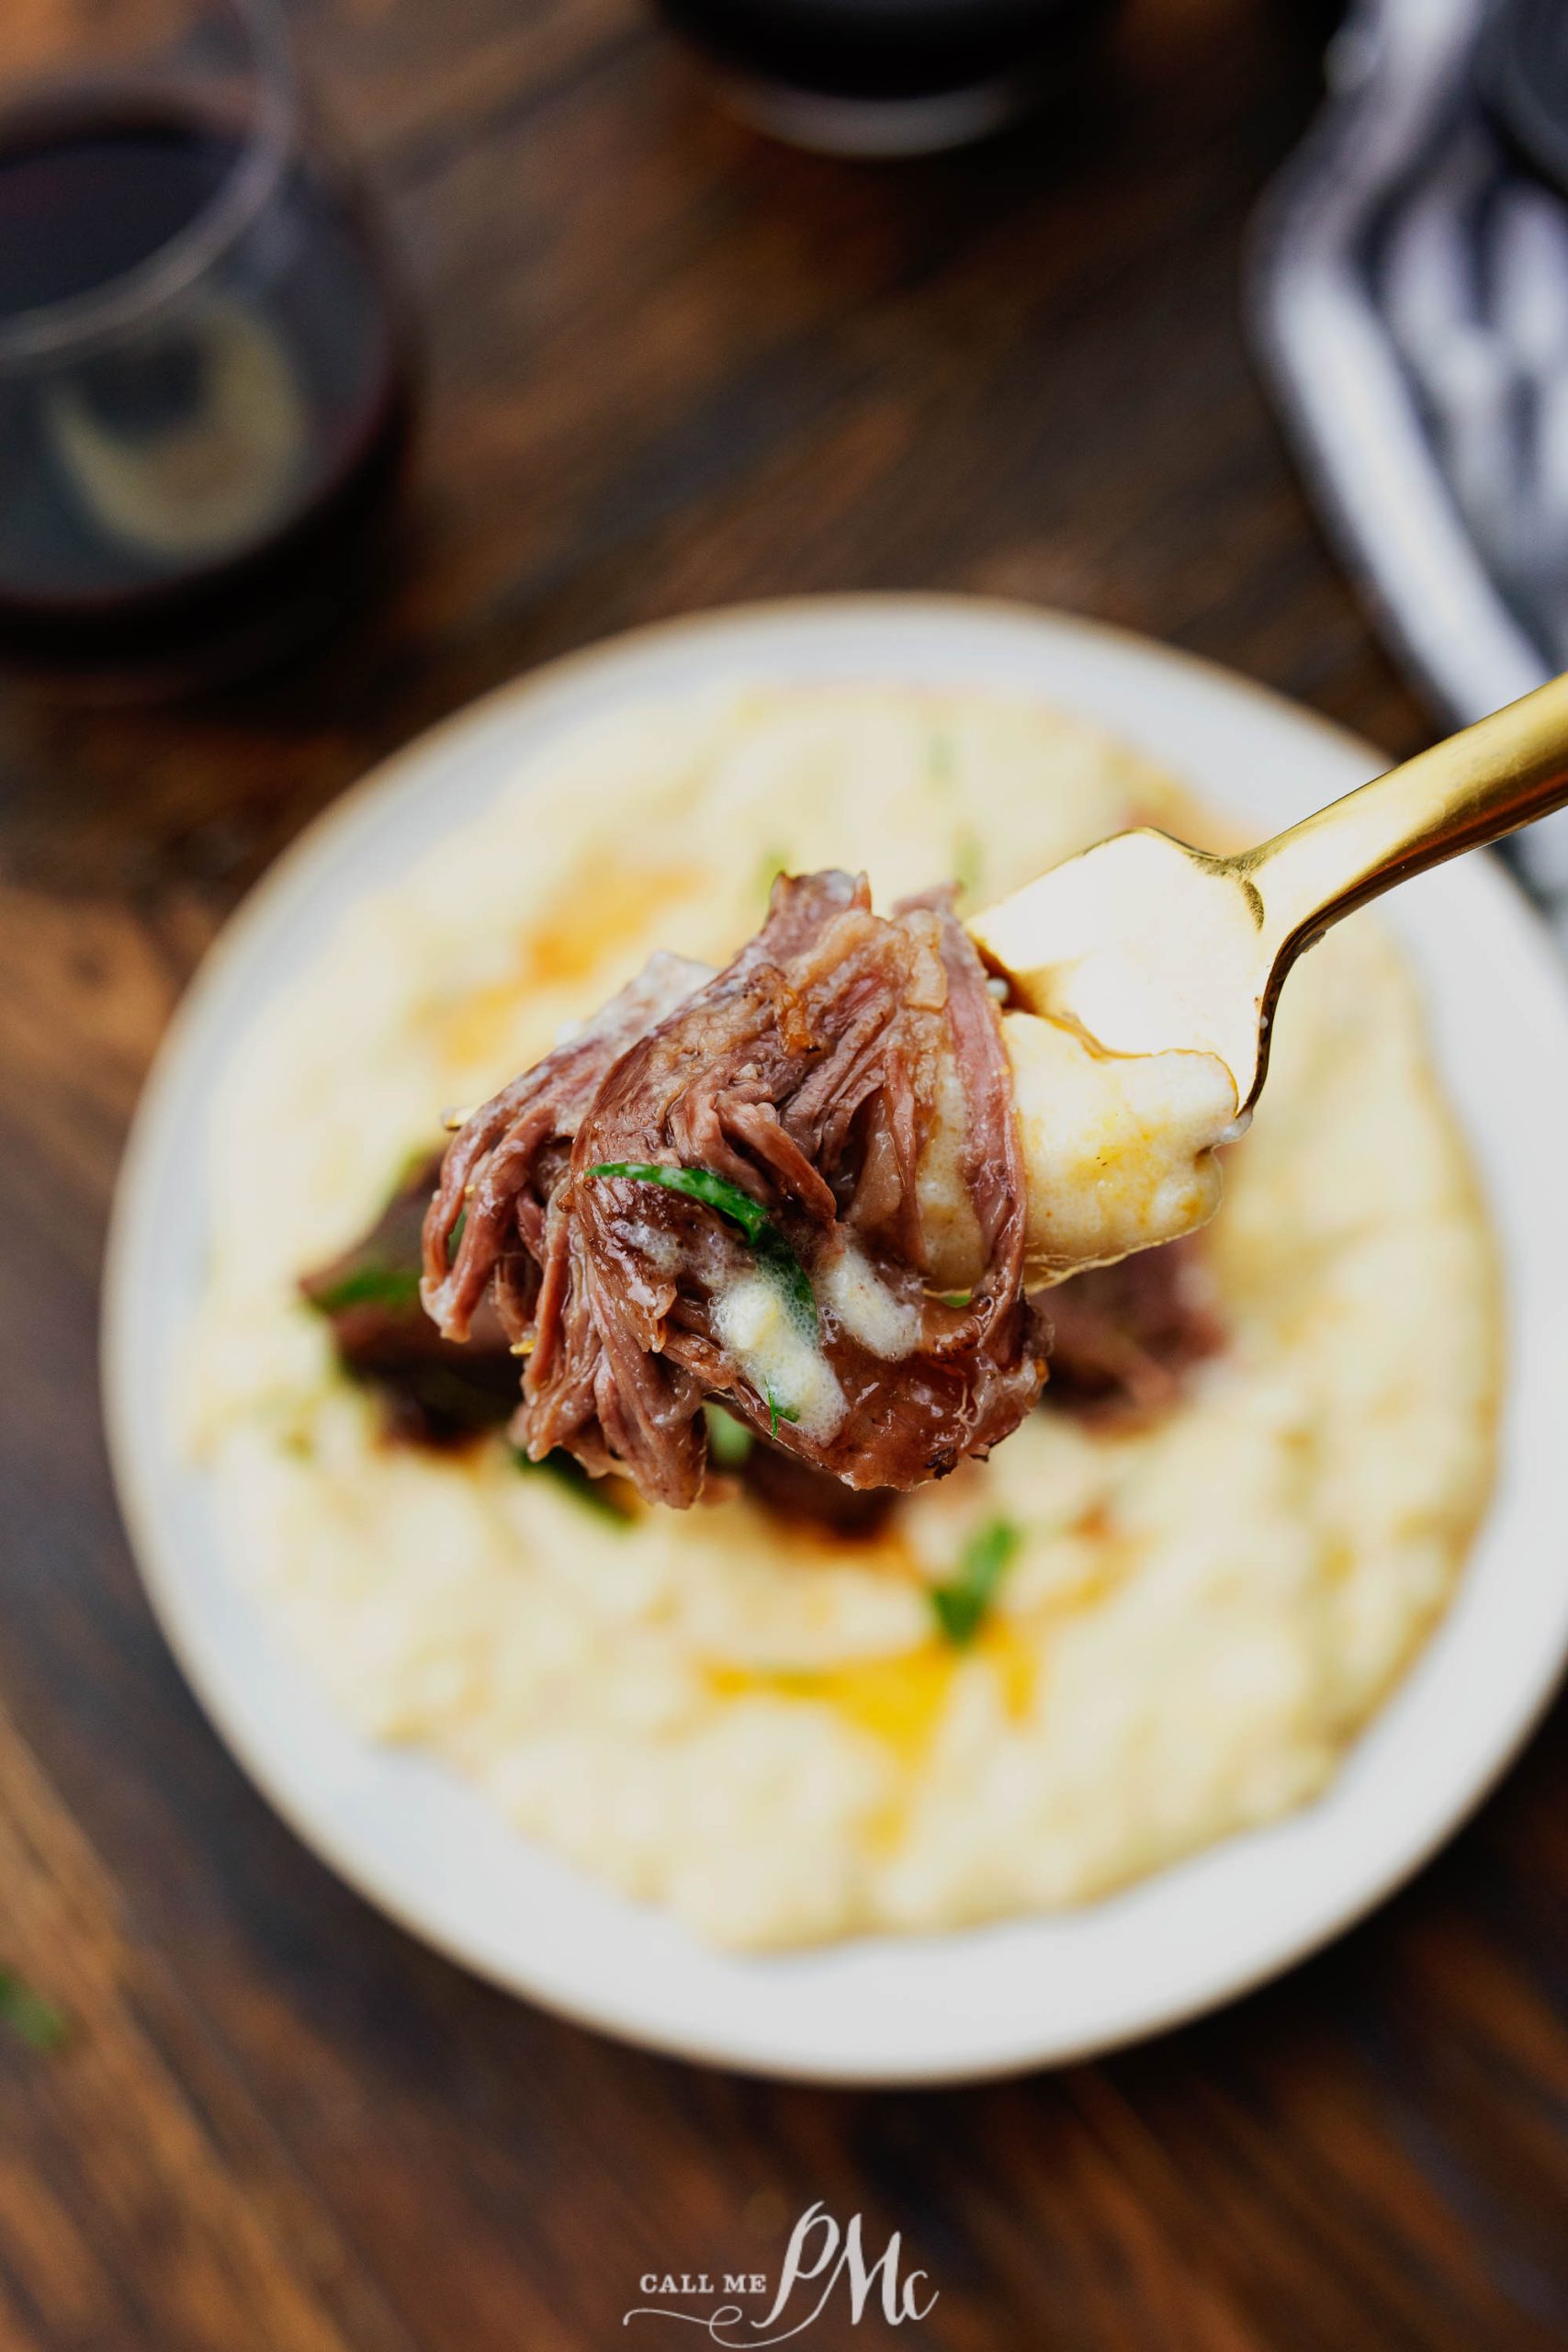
[(196, 485)]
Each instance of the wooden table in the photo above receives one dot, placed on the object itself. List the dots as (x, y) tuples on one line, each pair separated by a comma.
[(670, 365)]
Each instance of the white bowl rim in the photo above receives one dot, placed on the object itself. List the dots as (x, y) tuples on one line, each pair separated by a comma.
[(1534, 1673)]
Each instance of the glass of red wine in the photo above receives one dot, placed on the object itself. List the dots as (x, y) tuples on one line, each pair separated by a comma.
[(204, 367)]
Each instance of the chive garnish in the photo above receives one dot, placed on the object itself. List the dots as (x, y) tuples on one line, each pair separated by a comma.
[(777, 1413), (700, 1184), (729, 1440), (963, 1603), (569, 1472), (370, 1283), (29, 2016), (718, 1193), (953, 1297)]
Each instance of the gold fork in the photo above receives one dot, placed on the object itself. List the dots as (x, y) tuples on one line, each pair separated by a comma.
[(1146, 946)]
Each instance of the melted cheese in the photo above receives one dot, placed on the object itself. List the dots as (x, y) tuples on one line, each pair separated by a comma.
[(780, 1353), (882, 1321)]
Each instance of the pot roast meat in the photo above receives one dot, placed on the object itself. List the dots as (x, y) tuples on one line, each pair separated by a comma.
[(1122, 1336), (806, 1073), (438, 1390), (846, 1074), (792, 1492), (430, 1391), (484, 1228)]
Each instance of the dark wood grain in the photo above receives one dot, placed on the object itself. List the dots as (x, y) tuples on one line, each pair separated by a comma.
[(670, 365)]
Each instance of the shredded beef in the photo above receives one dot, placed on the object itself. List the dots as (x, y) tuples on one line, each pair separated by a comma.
[(792, 1490), (484, 1231), (430, 1392), (810, 1074), (805, 1074), (1123, 1335), (1123, 1338)]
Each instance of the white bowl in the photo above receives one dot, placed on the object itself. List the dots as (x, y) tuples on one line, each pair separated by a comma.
[(433, 1854)]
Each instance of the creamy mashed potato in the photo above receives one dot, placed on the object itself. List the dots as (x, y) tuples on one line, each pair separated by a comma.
[(1119, 1150), (763, 1727)]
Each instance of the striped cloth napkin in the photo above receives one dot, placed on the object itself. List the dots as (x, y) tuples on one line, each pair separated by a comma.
[(1410, 297)]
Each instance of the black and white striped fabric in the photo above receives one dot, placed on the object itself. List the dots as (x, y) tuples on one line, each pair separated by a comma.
[(1411, 296)]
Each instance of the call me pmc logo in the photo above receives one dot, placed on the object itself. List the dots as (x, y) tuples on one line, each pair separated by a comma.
[(823, 2264)]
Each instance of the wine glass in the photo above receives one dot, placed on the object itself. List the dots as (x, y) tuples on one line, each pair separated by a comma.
[(204, 364)]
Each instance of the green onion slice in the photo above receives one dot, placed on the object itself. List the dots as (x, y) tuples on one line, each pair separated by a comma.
[(963, 1603), (729, 1440), (569, 1474), (718, 1193), (370, 1283), (777, 1413)]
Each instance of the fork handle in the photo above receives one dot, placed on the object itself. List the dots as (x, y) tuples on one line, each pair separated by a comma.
[(1475, 787)]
